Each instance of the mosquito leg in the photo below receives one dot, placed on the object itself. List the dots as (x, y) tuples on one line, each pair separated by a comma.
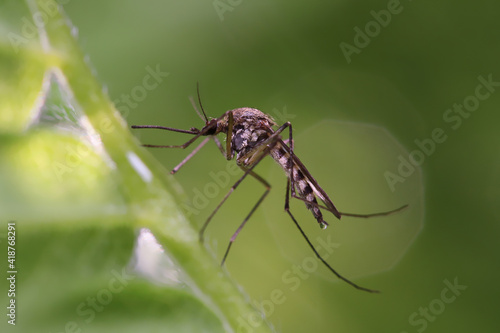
[(297, 172), (259, 151), (376, 214), (265, 145), (231, 190), (324, 197), (219, 145), (229, 138), (287, 209), (165, 128), (210, 126), (196, 133), (290, 170), (268, 188), (191, 154), (187, 158), (217, 142), (386, 213)]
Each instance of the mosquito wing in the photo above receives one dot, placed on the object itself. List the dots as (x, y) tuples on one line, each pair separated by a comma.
[(317, 190)]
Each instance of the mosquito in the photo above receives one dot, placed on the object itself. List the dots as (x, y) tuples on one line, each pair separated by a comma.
[(250, 136)]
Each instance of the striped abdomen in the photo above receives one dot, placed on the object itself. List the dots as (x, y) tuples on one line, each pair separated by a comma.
[(303, 187)]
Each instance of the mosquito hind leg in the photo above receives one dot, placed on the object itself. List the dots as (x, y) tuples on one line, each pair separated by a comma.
[(385, 213), (287, 209)]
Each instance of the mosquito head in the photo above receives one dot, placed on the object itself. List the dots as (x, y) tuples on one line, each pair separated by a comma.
[(211, 127)]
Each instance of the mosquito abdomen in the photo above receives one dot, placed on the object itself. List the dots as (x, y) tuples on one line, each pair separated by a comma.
[(301, 185)]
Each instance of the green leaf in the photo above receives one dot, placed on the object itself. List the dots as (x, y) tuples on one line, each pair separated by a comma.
[(100, 241)]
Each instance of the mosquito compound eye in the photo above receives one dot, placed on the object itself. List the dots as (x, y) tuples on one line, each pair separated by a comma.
[(211, 130)]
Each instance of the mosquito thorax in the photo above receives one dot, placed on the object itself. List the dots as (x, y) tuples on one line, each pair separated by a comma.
[(250, 127), (252, 116)]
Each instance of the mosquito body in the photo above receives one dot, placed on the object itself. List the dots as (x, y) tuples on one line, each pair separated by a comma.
[(250, 136), (251, 127)]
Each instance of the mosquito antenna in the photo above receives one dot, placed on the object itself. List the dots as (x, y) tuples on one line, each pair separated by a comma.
[(196, 108), (199, 101)]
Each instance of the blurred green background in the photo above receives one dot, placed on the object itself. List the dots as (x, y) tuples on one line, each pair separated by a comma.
[(286, 56)]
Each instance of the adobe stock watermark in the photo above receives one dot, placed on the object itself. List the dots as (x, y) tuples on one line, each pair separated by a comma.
[(201, 198), (420, 319), (88, 309), (453, 118), (292, 279), (30, 26), (373, 28), (223, 6), (150, 81), (76, 155)]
